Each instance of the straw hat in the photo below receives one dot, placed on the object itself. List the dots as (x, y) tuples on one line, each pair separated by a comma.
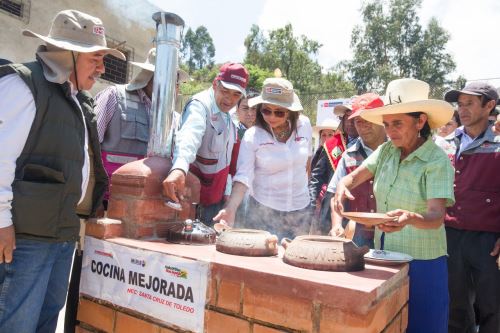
[(277, 91), (407, 96), (147, 71), (328, 123), (341, 109), (76, 31)]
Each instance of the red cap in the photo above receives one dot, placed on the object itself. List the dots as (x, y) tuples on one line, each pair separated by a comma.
[(233, 76), (365, 102)]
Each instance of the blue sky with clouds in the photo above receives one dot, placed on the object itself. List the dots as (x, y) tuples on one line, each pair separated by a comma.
[(474, 26)]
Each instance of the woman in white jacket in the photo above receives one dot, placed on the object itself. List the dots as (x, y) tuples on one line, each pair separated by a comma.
[(272, 165)]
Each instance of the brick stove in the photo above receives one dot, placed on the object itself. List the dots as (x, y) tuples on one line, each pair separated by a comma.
[(244, 294)]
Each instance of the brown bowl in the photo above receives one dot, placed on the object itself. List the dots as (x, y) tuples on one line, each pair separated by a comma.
[(247, 242), (368, 219), (324, 253)]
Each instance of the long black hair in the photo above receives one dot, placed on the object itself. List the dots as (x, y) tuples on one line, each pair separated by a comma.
[(425, 132), (293, 117)]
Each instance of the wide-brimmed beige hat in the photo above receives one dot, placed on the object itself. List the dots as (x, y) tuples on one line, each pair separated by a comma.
[(407, 96), (76, 31), (341, 109), (277, 91), (147, 71), (328, 123)]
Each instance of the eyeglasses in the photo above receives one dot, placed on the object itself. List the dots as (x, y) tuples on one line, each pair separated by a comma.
[(277, 114)]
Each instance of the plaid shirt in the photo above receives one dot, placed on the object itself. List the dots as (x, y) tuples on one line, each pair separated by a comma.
[(106, 103), (425, 174)]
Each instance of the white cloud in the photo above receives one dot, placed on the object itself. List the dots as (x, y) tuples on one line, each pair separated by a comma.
[(328, 22), (473, 25)]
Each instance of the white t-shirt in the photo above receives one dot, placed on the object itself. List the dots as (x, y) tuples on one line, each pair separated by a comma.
[(275, 172)]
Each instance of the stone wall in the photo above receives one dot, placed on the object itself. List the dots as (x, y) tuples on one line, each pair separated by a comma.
[(138, 31)]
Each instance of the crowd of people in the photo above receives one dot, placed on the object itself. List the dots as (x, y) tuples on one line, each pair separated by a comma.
[(431, 168)]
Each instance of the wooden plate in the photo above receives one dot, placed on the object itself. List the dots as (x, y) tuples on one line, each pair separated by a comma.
[(369, 219)]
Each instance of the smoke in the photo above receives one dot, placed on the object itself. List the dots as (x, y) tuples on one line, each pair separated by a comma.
[(133, 12)]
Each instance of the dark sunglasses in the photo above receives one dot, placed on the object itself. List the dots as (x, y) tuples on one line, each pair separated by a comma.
[(277, 114)]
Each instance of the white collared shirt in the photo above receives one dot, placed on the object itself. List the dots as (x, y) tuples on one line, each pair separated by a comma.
[(17, 112), (275, 172)]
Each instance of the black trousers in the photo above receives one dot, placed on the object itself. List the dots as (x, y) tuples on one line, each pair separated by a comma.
[(473, 281)]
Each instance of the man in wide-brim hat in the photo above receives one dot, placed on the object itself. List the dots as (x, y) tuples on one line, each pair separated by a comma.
[(49, 170)]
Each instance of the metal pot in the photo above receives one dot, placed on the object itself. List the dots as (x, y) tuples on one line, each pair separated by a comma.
[(324, 253), (247, 242), (190, 232)]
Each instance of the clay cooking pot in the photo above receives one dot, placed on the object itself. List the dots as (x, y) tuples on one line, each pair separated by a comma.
[(247, 242), (324, 253)]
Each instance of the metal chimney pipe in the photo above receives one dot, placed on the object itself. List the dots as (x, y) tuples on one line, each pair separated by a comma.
[(168, 38)]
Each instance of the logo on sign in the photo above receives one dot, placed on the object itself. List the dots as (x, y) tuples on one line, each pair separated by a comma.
[(104, 254), (274, 91), (174, 271), (336, 152), (98, 30), (138, 262)]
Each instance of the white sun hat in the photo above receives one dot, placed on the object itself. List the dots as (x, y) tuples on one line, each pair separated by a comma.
[(73, 30), (407, 96)]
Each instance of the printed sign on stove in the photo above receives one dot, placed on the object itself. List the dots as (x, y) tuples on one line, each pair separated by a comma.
[(163, 286)]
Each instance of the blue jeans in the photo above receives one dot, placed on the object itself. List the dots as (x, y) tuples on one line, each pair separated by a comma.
[(33, 286)]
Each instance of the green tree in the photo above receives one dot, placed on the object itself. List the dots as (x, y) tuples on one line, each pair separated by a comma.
[(391, 43), (198, 49), (295, 56), (257, 76)]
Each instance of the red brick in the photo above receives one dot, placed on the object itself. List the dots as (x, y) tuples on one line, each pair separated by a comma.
[(290, 312), (96, 315), (140, 232), (212, 291), (151, 210), (216, 322), (103, 228), (404, 318), (375, 320), (117, 209), (264, 329), (120, 190), (394, 326), (127, 324), (79, 329), (229, 296)]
